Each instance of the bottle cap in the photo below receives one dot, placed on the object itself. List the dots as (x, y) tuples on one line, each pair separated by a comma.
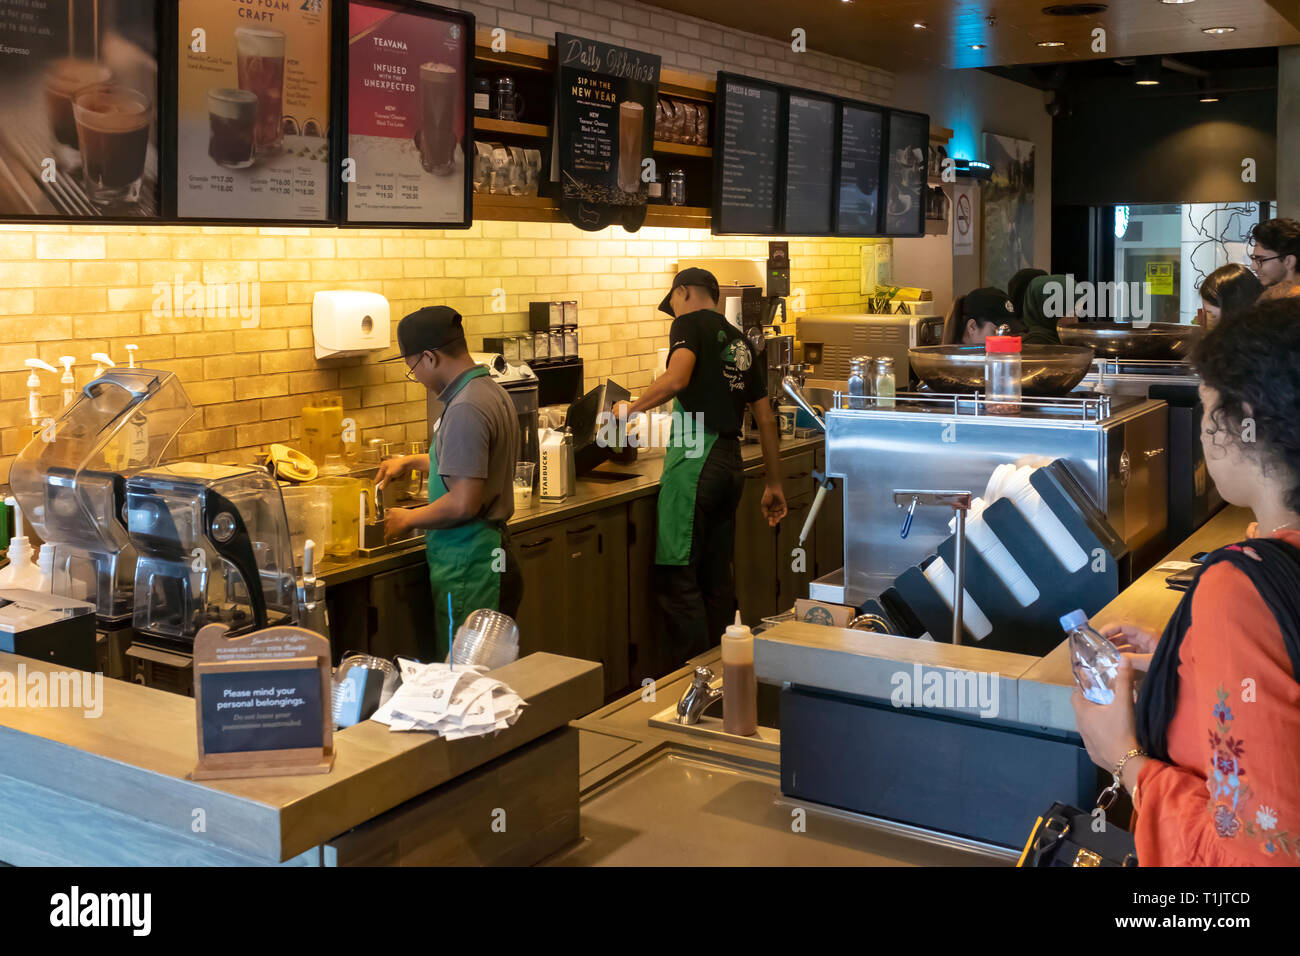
[(1072, 620), (1002, 343)]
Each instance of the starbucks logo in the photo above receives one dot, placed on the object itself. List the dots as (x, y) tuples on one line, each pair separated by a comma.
[(818, 615), (738, 354)]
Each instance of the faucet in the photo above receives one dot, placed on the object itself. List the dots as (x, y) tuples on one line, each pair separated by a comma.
[(697, 698)]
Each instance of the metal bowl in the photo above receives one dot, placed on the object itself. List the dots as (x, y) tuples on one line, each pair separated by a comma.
[(1159, 340), (1044, 369)]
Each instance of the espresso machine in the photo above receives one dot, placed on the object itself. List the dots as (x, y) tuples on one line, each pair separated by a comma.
[(70, 482), (213, 547)]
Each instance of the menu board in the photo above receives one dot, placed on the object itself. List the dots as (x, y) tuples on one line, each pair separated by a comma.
[(78, 109), (909, 141), (253, 110), (858, 203), (809, 164), (746, 152), (605, 98), (408, 139)]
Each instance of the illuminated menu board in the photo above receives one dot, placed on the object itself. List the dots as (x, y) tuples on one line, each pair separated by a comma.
[(746, 144), (809, 164), (858, 205)]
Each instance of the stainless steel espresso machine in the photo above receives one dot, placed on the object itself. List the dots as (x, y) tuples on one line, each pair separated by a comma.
[(70, 482), (213, 548)]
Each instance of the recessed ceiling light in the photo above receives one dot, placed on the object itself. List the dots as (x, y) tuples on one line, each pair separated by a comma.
[(1217, 30), (918, 25), (1175, 1), (1209, 98), (977, 46), (1051, 43)]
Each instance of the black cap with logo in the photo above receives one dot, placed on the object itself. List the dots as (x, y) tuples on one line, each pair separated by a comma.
[(426, 329), (991, 305), (700, 277)]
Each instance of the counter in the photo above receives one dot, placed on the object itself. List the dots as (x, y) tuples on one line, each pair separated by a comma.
[(608, 485), (115, 789)]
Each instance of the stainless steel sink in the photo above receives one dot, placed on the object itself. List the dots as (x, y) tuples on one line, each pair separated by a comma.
[(683, 806)]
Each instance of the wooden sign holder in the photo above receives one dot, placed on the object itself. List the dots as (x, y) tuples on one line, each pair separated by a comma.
[(280, 648)]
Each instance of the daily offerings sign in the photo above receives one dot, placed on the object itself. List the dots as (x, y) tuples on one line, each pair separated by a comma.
[(605, 109)]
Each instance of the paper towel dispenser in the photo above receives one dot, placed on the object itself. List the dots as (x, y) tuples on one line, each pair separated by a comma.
[(346, 322)]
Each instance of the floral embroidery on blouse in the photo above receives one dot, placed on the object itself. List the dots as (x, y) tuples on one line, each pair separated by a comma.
[(1230, 793)]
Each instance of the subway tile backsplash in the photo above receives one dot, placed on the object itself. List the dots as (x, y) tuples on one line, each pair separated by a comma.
[(247, 362)]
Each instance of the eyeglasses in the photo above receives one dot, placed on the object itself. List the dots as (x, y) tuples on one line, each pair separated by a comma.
[(1260, 260), (410, 369)]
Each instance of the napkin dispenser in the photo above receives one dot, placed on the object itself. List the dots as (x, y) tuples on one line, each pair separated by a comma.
[(348, 322)]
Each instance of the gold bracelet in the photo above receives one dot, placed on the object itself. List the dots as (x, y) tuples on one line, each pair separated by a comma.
[(1123, 761)]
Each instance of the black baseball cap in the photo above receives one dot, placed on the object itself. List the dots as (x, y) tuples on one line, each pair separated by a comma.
[(425, 329), (700, 277), (991, 305)]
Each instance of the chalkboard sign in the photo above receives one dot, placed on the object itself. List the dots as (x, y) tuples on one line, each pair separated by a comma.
[(858, 193), (746, 151), (809, 164), (263, 703), (908, 146)]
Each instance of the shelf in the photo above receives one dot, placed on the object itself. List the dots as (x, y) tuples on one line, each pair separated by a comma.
[(546, 209), (940, 134), (681, 149), (489, 125), (519, 52)]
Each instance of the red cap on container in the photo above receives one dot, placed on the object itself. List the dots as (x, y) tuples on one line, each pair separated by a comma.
[(1002, 343)]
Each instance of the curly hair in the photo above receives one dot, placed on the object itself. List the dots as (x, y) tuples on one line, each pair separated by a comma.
[(1253, 361), (1233, 288), (1280, 235)]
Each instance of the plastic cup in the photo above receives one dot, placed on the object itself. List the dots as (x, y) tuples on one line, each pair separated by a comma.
[(525, 471)]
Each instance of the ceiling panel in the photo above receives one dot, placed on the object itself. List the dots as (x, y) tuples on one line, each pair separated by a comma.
[(880, 32)]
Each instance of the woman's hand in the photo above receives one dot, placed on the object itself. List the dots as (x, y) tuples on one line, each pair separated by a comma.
[(1109, 731), (1252, 530), (1136, 643)]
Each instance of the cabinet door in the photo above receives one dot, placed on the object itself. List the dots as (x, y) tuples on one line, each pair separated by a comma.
[(401, 610), (583, 580), (612, 598), (543, 610), (755, 561), (645, 622), (793, 572)]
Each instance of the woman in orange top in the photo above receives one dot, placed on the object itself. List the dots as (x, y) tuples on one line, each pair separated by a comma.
[(1211, 754)]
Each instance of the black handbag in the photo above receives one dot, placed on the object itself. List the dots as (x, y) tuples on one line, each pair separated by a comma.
[(1064, 836)]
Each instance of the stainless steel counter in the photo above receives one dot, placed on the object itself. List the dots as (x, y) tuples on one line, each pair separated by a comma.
[(609, 485)]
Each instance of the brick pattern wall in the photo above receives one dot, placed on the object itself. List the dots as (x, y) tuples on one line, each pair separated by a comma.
[(80, 289)]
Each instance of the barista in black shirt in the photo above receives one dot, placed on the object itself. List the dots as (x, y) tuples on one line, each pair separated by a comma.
[(712, 377)]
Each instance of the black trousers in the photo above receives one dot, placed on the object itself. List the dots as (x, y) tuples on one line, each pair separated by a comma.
[(698, 599)]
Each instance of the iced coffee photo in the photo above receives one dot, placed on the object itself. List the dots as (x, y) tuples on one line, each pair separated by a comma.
[(631, 127), (437, 135), (113, 123), (260, 57), (64, 79), (232, 117)]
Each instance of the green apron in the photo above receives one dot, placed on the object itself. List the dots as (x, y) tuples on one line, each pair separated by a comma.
[(678, 486), (461, 559)]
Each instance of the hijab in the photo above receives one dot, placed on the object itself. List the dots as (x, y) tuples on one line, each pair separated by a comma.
[(1040, 328)]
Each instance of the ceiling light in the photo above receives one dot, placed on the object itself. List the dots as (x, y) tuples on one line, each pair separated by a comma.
[(1175, 1), (918, 25), (1051, 43), (1218, 30), (1207, 95), (977, 46), (1147, 71)]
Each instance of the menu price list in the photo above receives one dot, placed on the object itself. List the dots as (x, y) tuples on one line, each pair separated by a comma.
[(809, 169), (749, 159), (859, 200)]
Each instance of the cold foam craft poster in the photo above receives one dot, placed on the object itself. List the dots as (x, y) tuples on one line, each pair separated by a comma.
[(407, 135), (253, 109)]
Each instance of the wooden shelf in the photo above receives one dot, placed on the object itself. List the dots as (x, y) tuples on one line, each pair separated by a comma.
[(519, 52), (489, 125), (940, 134), (681, 149), (546, 209)]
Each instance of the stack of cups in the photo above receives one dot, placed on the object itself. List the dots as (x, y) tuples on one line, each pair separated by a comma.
[(1044, 520), (488, 638), (941, 579), (996, 555)]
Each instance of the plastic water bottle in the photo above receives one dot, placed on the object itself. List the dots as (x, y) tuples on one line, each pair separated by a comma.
[(1094, 660)]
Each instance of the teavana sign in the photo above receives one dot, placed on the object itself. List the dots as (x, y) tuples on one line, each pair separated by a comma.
[(263, 703), (605, 99)]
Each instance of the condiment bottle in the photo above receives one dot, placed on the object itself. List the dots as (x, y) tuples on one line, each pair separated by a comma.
[(739, 684), (884, 382), (1002, 374)]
